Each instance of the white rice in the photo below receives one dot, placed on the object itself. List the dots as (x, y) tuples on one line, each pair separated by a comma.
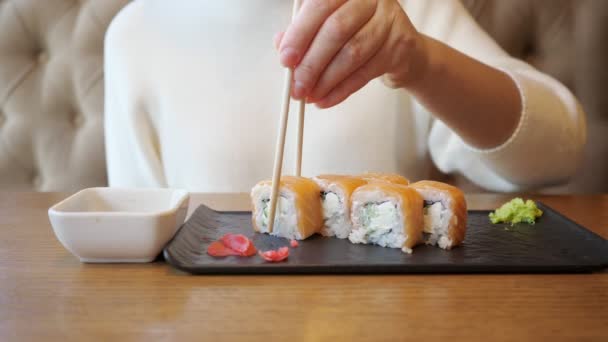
[(336, 212), (436, 223), (377, 220), (286, 220)]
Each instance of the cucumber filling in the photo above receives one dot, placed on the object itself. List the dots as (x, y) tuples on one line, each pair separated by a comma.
[(281, 213), (379, 223), (379, 218)]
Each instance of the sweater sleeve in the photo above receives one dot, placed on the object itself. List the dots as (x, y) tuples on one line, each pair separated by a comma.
[(548, 143), (132, 149)]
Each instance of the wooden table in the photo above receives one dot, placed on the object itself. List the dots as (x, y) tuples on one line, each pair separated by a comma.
[(47, 295)]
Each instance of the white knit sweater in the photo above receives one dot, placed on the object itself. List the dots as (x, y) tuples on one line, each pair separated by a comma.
[(193, 92)]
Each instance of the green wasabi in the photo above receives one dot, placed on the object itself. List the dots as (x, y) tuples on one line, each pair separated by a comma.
[(516, 211)]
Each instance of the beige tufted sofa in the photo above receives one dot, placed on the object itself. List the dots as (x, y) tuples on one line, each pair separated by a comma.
[(51, 93), (51, 80)]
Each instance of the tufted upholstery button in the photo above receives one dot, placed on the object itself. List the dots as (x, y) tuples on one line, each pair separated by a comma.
[(43, 57), (36, 181), (77, 120)]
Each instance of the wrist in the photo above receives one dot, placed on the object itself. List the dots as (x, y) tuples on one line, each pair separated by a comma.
[(412, 64)]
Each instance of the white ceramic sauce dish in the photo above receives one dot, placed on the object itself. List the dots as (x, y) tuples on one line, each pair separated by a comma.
[(110, 225)]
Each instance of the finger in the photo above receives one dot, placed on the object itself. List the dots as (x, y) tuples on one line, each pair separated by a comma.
[(334, 33), (357, 80), (300, 33), (277, 39), (356, 52)]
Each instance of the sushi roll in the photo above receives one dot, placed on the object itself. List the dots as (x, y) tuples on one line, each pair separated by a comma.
[(385, 177), (385, 214), (298, 213), (445, 213), (336, 191)]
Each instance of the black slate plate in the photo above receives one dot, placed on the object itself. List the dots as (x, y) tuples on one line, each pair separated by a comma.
[(554, 245)]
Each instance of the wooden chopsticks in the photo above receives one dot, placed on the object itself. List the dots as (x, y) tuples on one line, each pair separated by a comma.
[(280, 145), (300, 141)]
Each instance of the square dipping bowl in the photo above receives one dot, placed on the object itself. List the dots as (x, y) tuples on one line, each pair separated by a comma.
[(111, 225)]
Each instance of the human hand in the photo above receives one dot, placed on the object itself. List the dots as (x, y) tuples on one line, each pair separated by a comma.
[(337, 46)]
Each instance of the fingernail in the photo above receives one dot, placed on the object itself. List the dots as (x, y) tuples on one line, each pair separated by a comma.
[(278, 38), (322, 103), (311, 98), (289, 57), (299, 91)]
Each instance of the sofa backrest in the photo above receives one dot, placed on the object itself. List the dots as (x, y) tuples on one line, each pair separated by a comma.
[(51, 93)]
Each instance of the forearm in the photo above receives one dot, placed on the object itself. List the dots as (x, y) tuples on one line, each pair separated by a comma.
[(480, 103)]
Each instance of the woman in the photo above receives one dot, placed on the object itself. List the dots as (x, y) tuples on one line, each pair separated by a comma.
[(193, 93)]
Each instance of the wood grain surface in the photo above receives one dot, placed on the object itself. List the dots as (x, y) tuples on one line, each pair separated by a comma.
[(46, 294)]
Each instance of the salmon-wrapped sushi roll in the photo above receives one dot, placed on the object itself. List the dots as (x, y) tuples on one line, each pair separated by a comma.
[(298, 213), (445, 213), (389, 215), (336, 191), (385, 177)]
